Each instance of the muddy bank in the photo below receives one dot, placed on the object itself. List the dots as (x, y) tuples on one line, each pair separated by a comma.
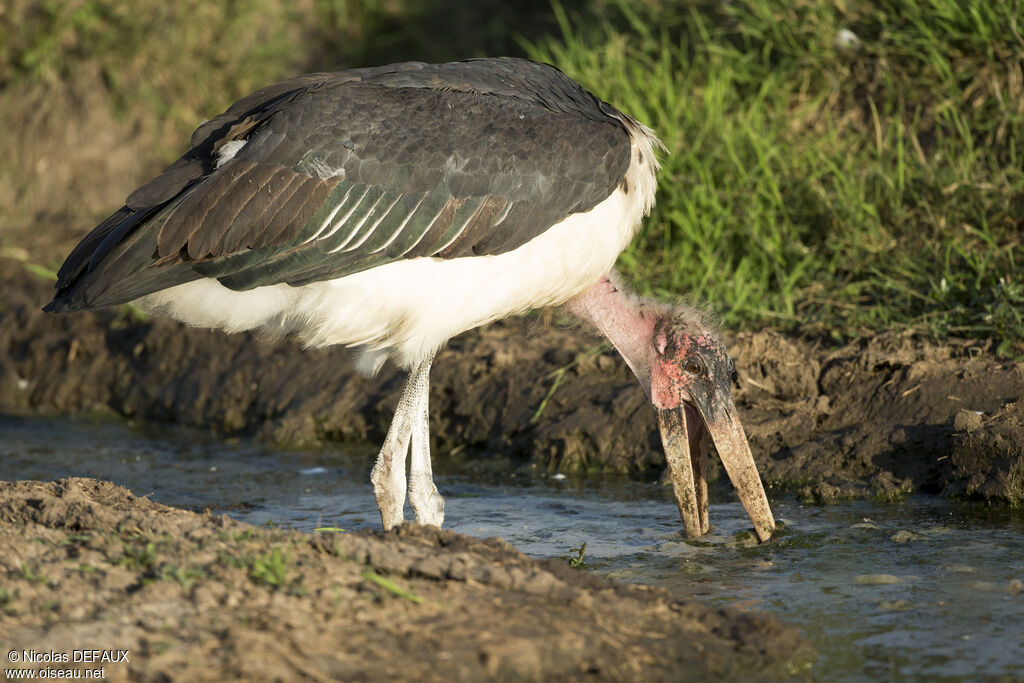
[(87, 565), (879, 417)]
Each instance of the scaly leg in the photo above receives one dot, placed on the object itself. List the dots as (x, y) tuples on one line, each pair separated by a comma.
[(388, 475), (427, 503)]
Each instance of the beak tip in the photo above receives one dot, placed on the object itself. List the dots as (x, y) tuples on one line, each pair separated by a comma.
[(765, 528)]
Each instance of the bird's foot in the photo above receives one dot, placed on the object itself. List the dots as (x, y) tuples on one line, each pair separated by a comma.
[(426, 502), (390, 519), (390, 494)]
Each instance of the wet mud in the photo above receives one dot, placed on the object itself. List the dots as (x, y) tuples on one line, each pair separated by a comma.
[(880, 417), (87, 565)]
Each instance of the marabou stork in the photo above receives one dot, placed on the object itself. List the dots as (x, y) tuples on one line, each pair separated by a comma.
[(392, 208)]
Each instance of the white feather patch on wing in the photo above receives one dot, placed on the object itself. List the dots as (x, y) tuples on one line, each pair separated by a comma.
[(318, 166), (227, 152)]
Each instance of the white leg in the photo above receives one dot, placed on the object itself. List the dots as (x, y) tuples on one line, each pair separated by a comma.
[(388, 475), (427, 503)]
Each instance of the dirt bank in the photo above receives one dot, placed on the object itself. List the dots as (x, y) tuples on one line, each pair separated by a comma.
[(86, 565), (879, 417)]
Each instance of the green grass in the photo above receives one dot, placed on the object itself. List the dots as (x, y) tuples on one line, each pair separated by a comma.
[(139, 557), (31, 575), (575, 560), (179, 61), (271, 569), (185, 577), (7, 596), (558, 376), (818, 188), (828, 190), (176, 64), (390, 586)]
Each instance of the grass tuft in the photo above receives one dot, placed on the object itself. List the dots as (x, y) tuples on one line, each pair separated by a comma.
[(32, 575), (576, 560), (836, 167), (271, 569), (391, 586)]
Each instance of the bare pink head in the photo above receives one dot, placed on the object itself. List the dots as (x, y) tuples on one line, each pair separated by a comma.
[(683, 366)]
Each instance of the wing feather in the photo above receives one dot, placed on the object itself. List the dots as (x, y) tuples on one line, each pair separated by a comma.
[(353, 222), (325, 215), (462, 215), (377, 213), (348, 207), (388, 223), (343, 172), (418, 224)]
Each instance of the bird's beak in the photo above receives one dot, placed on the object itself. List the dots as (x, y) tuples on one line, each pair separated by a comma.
[(682, 433)]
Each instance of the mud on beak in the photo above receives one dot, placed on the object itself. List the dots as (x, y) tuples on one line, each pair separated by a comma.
[(683, 433)]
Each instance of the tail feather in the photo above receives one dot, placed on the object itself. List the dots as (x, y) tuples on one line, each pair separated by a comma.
[(114, 264)]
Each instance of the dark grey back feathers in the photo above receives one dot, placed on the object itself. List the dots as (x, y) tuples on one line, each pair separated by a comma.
[(336, 173)]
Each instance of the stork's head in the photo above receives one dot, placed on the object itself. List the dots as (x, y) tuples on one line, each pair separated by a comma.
[(681, 364), (690, 386)]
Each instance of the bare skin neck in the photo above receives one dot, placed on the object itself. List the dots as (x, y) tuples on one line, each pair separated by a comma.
[(627, 321)]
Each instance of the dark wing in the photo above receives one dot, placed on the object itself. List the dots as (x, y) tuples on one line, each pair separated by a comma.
[(343, 172)]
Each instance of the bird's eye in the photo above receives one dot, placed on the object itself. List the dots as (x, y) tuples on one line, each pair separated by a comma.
[(694, 367)]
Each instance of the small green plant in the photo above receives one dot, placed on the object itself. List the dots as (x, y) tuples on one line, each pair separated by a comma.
[(183, 576), (75, 539), (139, 558), (391, 586), (271, 569), (41, 271), (31, 575), (576, 561), (558, 376), (7, 596), (247, 535)]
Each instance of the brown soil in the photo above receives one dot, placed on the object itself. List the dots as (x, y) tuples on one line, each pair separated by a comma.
[(86, 565), (881, 417)]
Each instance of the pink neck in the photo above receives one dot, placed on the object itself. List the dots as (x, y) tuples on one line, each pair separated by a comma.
[(620, 316)]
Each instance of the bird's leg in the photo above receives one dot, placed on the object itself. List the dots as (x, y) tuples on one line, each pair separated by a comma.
[(427, 503), (388, 475)]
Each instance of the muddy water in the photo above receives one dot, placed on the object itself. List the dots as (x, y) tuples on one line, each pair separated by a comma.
[(921, 589)]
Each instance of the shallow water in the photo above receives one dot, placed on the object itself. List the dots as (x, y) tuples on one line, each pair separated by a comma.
[(921, 589)]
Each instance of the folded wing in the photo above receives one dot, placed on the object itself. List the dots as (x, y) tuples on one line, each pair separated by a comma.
[(331, 174)]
